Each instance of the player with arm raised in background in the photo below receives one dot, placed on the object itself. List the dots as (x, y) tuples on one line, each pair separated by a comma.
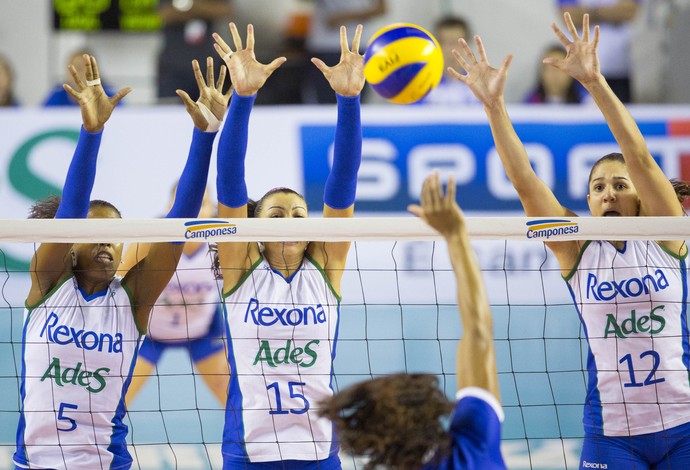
[(395, 421)]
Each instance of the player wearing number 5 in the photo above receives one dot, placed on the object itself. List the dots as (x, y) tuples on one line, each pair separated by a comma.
[(282, 299), (631, 295), (82, 323)]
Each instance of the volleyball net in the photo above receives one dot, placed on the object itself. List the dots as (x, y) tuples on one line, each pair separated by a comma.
[(398, 314)]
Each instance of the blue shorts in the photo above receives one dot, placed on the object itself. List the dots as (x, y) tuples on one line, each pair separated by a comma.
[(331, 463), (199, 349), (669, 449)]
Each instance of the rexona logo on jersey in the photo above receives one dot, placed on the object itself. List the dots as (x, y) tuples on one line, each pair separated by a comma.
[(651, 323), (295, 316), (550, 227), (208, 228), (626, 288), (76, 376), (82, 339), (290, 354)]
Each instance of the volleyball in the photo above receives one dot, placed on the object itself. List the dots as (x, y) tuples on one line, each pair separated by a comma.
[(403, 63)]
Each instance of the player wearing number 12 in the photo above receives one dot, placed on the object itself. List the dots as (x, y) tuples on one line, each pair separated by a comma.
[(631, 295), (282, 300)]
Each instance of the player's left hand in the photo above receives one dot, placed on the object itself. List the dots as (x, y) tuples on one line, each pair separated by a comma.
[(210, 95), (347, 77), (581, 61)]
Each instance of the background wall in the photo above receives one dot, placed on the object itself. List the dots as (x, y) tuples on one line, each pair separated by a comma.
[(38, 54)]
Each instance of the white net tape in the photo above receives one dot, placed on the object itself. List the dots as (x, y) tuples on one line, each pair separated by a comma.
[(340, 229)]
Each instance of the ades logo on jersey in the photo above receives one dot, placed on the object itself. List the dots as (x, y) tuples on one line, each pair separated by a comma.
[(289, 354), (653, 323), (605, 291), (76, 376), (82, 339), (295, 316)]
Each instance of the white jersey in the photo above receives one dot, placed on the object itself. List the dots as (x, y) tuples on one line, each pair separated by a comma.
[(282, 335), (632, 304), (78, 356), (186, 308)]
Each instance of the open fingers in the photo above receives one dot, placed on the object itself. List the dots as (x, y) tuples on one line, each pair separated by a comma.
[(75, 76), (344, 47), (461, 60), (275, 64), (250, 37), (221, 78), (189, 104), (559, 34), (357, 39), (480, 49), (571, 26), (221, 46), (595, 43), (585, 27), (88, 68), (449, 200), (198, 77), (210, 80), (115, 99), (236, 38), (93, 65)]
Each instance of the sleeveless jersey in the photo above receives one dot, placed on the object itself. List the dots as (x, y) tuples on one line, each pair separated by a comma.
[(77, 361), (632, 305), (186, 308), (282, 335)]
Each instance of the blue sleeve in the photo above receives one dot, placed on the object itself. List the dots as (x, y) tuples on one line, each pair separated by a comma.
[(232, 148), (76, 192), (341, 185), (192, 185), (476, 434)]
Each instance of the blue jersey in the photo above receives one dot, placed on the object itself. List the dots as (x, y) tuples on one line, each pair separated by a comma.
[(475, 432)]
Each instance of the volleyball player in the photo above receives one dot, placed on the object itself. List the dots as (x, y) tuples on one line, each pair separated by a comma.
[(187, 315), (394, 420), (282, 298), (82, 324), (630, 295)]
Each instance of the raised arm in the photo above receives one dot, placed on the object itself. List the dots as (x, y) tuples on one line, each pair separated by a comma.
[(476, 357), (347, 80), (657, 196), (147, 279), (487, 83), (52, 262), (247, 76)]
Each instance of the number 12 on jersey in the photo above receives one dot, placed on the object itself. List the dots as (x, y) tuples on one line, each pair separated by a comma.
[(650, 380), (293, 389)]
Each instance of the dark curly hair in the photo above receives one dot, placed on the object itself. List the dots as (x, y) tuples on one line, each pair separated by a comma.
[(46, 208), (395, 420)]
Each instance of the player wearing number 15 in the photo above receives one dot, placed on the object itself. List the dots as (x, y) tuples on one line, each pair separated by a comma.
[(631, 295), (82, 323), (282, 300)]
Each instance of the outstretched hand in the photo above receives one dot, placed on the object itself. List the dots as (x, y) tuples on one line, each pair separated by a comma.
[(440, 211), (347, 77), (211, 96), (581, 61), (96, 106), (486, 82), (246, 73)]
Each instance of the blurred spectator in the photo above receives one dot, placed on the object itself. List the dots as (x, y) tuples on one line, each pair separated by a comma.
[(58, 96), (286, 83), (324, 39), (450, 91), (187, 28), (553, 85), (6, 84), (614, 18)]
